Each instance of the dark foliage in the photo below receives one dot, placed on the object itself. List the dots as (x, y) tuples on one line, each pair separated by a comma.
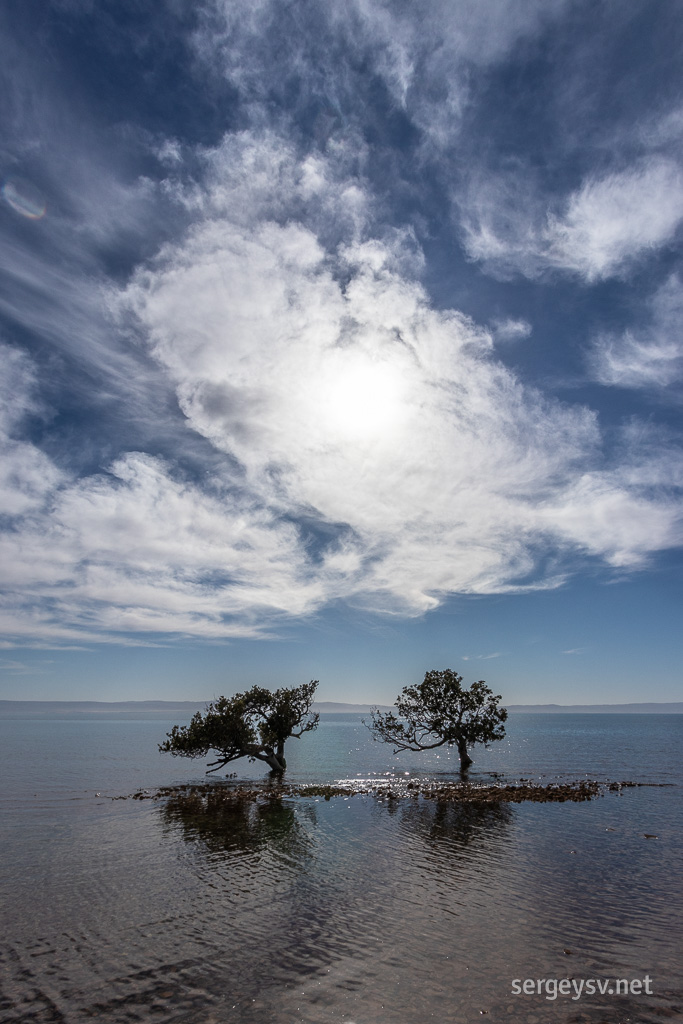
[(440, 711), (254, 724)]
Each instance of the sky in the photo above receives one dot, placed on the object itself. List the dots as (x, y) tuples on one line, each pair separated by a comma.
[(341, 339)]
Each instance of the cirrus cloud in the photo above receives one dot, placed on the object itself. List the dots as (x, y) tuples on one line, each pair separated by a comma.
[(651, 356), (597, 231), (380, 453)]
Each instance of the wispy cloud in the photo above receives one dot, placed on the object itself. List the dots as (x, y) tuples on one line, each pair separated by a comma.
[(423, 59), (21, 668), (27, 475), (511, 330), (347, 401), (597, 231), (651, 356), (279, 416), (613, 219)]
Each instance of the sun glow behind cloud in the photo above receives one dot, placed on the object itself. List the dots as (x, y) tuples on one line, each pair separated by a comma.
[(327, 430), (360, 399), (327, 376)]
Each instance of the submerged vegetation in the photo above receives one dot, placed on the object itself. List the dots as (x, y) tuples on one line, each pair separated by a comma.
[(216, 795)]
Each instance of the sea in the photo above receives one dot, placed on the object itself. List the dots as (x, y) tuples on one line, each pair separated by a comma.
[(360, 909)]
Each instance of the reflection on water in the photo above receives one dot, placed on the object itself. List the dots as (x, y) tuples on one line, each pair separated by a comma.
[(336, 893), (366, 909), (210, 909), (446, 829), (227, 823)]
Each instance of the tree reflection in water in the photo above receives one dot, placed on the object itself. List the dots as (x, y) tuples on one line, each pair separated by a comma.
[(229, 821), (448, 828), (336, 897), (263, 821)]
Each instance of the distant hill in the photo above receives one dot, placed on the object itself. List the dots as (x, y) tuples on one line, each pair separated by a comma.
[(159, 710), (172, 709), (154, 709), (333, 707), (652, 708)]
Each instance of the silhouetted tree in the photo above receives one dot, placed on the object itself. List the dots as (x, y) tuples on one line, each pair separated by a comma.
[(441, 711), (254, 724)]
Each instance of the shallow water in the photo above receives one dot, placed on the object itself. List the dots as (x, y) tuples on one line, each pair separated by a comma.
[(351, 910)]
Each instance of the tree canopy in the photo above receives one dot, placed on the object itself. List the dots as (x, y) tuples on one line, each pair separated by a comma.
[(440, 711), (254, 724)]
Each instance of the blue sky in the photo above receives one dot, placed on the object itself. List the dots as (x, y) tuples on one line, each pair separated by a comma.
[(341, 340)]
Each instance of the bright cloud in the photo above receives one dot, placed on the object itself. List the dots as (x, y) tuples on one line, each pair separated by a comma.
[(340, 390), (344, 397), (139, 552), (612, 220), (263, 408), (598, 231), (651, 356)]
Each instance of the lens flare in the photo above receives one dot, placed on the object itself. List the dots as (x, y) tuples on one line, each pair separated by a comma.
[(24, 198)]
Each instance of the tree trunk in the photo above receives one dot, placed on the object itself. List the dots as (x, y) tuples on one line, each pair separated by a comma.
[(465, 759), (276, 759)]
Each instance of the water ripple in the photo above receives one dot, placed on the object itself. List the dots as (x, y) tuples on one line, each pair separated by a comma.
[(360, 909)]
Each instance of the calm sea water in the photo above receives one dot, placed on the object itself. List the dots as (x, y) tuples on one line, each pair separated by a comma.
[(357, 910)]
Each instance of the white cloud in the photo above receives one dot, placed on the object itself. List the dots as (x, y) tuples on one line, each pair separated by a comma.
[(320, 367), (17, 386), (27, 476), (339, 389), (662, 131), (596, 232), (357, 400), (613, 219), (616, 515), (424, 55), (503, 221), (135, 550), (651, 356), (138, 551), (511, 330)]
